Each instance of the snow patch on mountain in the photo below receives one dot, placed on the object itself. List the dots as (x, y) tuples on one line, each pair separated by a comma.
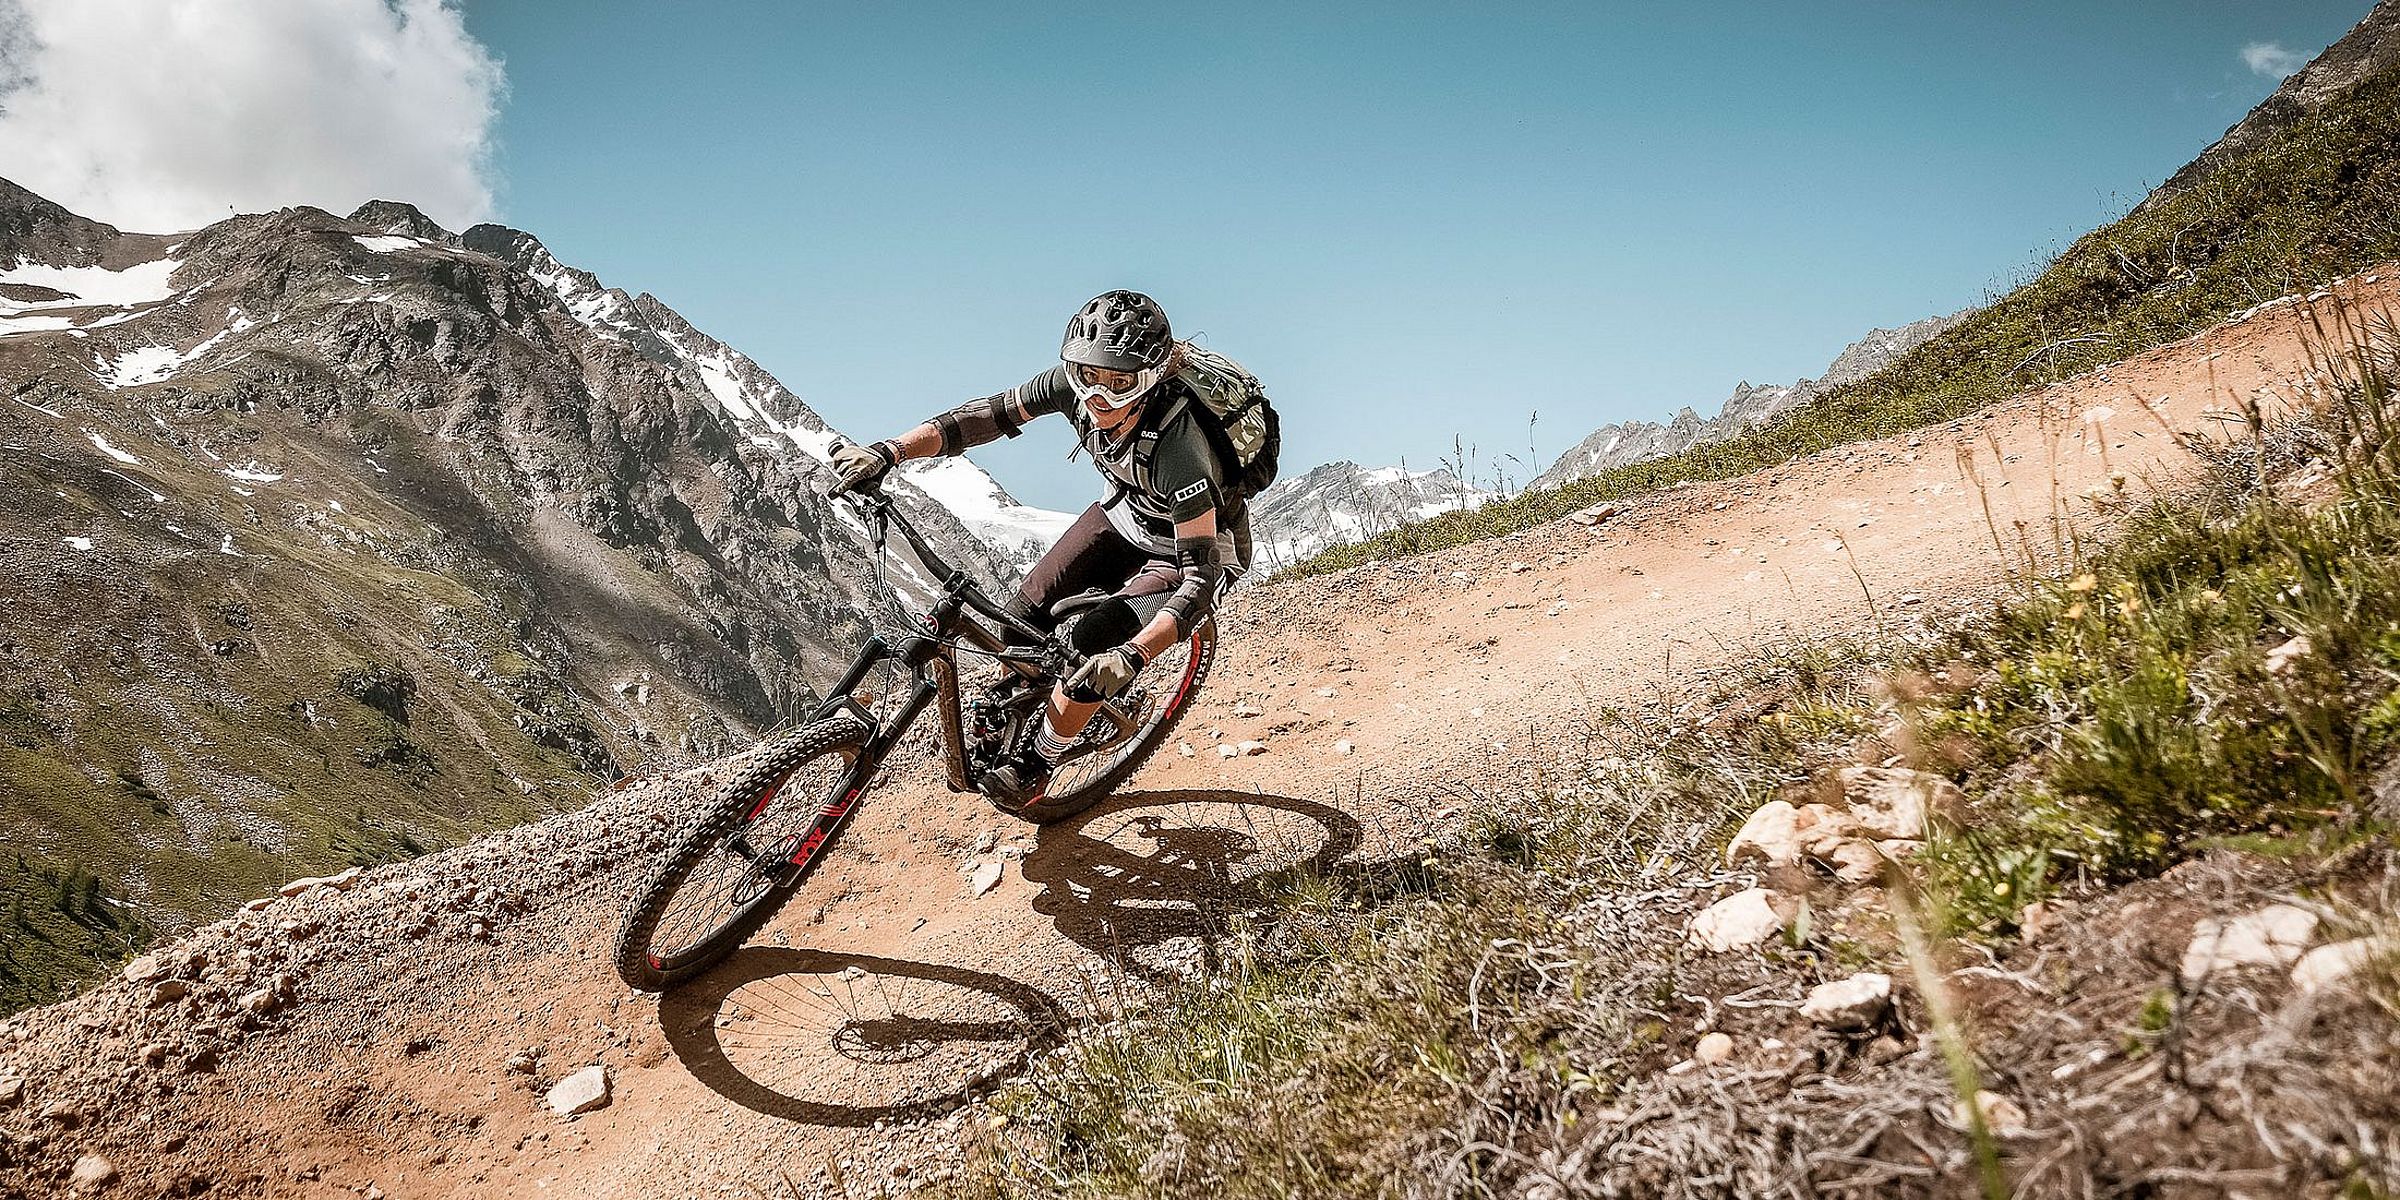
[(71, 288), (1342, 502), (1020, 531), (153, 364)]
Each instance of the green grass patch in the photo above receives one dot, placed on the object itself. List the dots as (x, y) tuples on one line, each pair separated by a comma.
[(2226, 671), (2311, 204)]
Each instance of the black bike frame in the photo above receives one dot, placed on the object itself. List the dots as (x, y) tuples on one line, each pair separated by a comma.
[(933, 664)]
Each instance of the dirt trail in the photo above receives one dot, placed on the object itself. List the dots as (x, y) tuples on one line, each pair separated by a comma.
[(842, 1041)]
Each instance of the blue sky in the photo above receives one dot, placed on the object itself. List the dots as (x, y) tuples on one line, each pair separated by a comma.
[(1414, 222)]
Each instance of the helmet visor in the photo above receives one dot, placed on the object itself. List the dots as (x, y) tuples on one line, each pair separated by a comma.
[(1109, 390)]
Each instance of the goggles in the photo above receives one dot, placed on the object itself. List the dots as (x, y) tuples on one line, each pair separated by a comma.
[(1109, 390)]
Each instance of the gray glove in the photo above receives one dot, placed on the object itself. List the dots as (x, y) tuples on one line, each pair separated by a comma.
[(860, 466), (1105, 674)]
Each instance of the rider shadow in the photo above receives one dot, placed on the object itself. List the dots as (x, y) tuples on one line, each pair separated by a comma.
[(1150, 874), (847, 1040)]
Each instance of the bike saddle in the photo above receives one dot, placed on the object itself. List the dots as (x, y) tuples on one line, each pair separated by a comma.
[(1078, 602)]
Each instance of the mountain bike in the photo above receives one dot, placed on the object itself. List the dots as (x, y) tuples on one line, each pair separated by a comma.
[(737, 860)]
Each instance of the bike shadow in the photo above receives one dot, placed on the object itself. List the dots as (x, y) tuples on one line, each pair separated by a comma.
[(1153, 881), (847, 1040)]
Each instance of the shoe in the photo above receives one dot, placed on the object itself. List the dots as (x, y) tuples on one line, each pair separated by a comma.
[(1017, 782)]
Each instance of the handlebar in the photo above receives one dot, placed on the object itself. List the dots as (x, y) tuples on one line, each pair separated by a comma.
[(869, 499)]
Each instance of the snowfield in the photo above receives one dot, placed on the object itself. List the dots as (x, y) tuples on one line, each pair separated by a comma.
[(82, 288)]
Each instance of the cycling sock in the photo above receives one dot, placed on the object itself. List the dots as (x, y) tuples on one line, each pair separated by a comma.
[(1049, 745)]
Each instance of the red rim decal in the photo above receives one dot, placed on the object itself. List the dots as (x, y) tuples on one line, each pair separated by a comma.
[(765, 798)]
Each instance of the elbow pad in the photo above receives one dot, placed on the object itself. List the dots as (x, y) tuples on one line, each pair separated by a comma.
[(978, 421), (1203, 573)]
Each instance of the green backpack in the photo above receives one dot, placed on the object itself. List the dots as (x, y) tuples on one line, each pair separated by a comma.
[(1242, 426)]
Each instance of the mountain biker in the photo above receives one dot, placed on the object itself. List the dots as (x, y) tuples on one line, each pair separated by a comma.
[(1166, 538)]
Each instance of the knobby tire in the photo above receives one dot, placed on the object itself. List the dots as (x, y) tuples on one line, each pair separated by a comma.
[(735, 808)]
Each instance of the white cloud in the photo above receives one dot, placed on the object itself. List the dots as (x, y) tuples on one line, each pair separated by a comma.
[(2272, 60), (162, 115)]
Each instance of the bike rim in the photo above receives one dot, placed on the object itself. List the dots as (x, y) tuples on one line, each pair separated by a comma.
[(782, 829)]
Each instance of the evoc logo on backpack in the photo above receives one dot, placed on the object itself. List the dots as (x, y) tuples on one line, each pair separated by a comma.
[(1241, 425)]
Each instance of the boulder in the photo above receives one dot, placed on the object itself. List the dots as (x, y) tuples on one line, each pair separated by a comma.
[(1892, 802), (1250, 748), (12, 1091), (584, 1091), (1822, 828), (2333, 964), (145, 969), (1771, 837), (1851, 1005), (2274, 936), (1856, 861), (337, 883), (1742, 919)]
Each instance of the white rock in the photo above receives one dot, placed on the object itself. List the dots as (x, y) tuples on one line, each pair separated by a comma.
[(2281, 659), (338, 883), (1770, 836), (1852, 1004), (584, 1091), (1744, 918), (2329, 965), (1344, 748), (1713, 1049), (1822, 829), (1250, 748), (92, 1173), (1185, 749), (1227, 751), (2274, 936), (2003, 1116), (986, 877), (145, 969), (1327, 693), (1892, 801), (1856, 861), (1247, 709)]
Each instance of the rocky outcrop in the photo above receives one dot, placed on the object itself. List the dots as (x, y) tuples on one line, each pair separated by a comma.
[(36, 230)]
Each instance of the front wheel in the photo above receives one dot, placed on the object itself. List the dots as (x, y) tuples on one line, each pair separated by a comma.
[(736, 861), (1129, 729)]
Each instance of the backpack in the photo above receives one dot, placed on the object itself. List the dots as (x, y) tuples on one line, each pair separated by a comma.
[(1241, 426)]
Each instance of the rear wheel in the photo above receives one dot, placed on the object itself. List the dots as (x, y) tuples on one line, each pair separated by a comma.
[(1128, 730), (736, 861)]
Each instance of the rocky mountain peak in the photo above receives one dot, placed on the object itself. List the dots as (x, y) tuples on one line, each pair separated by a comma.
[(1749, 406), (402, 218), (2371, 47), (36, 230)]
